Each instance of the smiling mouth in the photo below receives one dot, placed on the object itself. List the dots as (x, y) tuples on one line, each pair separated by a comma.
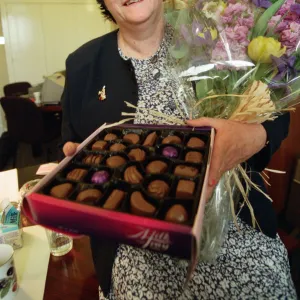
[(132, 2)]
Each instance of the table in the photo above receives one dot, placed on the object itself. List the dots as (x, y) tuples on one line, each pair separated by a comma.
[(71, 276), (51, 108)]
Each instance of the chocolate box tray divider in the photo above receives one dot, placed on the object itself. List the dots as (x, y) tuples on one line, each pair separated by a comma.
[(75, 218)]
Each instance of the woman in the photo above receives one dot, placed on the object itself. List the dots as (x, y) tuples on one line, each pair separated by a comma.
[(129, 63)]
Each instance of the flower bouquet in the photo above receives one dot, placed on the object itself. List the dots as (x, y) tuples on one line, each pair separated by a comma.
[(242, 58)]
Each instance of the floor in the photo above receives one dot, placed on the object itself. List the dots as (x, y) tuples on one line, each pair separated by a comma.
[(50, 152)]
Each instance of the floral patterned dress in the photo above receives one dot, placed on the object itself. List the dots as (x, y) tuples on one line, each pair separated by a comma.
[(250, 265)]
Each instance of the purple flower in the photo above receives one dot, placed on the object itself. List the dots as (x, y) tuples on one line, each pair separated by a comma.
[(277, 25), (262, 3), (290, 37), (238, 14), (237, 51), (285, 66), (285, 8), (196, 28), (295, 8), (237, 34)]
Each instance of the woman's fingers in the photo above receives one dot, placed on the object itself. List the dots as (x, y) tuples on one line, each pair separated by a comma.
[(215, 171), (202, 122), (69, 148)]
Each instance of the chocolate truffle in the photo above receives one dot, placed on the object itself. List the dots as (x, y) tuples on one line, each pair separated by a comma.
[(194, 157), (150, 139), (185, 189), (100, 177), (170, 152), (137, 154), (177, 214), (158, 188), (110, 137), (185, 171), (132, 175), (115, 161), (114, 200), (89, 195), (117, 147), (139, 206), (131, 138), (61, 191), (99, 145), (92, 159), (156, 167), (77, 174), (195, 143), (172, 139)]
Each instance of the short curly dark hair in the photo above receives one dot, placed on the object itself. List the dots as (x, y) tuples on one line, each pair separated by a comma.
[(105, 12)]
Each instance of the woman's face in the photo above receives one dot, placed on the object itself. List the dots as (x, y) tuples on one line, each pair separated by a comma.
[(134, 11)]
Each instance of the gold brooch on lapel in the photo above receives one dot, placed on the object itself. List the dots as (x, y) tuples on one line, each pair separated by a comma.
[(102, 94)]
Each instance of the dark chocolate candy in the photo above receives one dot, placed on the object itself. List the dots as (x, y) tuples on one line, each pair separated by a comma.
[(99, 145), (185, 189), (110, 137), (89, 195), (132, 175), (195, 142), (139, 206), (150, 139), (158, 188), (177, 214), (172, 139), (156, 167), (114, 200), (92, 159), (115, 161), (194, 157), (117, 147), (185, 171), (170, 152), (77, 174), (61, 191), (131, 138), (100, 177), (137, 154)]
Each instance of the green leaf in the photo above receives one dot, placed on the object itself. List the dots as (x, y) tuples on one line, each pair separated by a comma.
[(203, 87), (262, 23), (183, 18), (171, 17), (6, 289), (263, 71), (179, 52)]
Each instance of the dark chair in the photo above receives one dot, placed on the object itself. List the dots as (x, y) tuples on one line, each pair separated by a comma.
[(26, 123), (16, 89)]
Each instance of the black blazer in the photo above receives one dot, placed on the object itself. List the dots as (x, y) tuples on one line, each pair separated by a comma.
[(98, 64)]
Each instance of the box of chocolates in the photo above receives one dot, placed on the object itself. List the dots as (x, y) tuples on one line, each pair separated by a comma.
[(139, 185)]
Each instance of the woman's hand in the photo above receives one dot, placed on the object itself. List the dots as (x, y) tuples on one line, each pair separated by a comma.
[(70, 148), (235, 143)]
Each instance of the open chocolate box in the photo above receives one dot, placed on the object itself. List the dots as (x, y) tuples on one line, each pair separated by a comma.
[(137, 184)]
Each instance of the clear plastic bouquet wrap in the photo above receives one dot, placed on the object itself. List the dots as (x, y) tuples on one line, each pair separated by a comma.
[(237, 60), (243, 60)]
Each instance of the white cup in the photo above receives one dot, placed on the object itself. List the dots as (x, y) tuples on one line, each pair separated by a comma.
[(37, 97), (8, 276)]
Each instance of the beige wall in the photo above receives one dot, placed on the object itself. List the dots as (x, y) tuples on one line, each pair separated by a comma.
[(41, 33), (3, 80), (3, 66)]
